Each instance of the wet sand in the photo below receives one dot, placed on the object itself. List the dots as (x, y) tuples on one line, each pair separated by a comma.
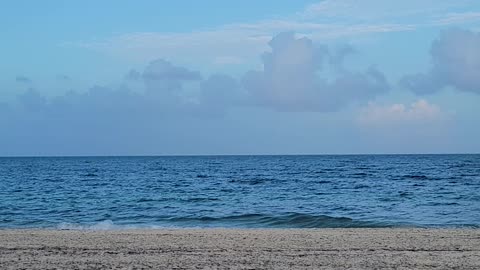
[(241, 249)]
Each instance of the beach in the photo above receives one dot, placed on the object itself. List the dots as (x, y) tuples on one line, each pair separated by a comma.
[(241, 249)]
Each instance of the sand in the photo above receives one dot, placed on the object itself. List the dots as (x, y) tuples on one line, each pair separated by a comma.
[(241, 249)]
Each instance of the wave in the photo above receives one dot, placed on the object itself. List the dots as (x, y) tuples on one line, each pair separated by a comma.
[(259, 221), (253, 221), (289, 220)]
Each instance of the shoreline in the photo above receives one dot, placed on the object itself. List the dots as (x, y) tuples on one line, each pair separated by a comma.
[(361, 248)]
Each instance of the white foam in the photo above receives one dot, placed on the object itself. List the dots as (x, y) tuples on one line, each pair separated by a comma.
[(100, 226), (107, 225)]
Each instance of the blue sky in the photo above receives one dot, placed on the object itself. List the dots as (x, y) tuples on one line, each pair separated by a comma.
[(245, 77)]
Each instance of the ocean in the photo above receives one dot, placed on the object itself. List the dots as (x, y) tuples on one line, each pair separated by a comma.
[(350, 191)]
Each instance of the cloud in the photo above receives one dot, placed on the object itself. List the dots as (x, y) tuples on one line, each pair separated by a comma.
[(153, 118), (22, 79), (159, 90), (455, 63), (169, 106), (456, 18), (418, 113), (228, 43), (325, 20), (375, 10), (290, 78), (165, 82), (420, 127), (289, 81)]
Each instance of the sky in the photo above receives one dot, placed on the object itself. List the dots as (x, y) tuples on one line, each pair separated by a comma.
[(80, 78)]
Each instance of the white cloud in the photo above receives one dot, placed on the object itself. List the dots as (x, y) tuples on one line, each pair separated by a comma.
[(390, 10), (456, 18), (418, 113), (420, 127)]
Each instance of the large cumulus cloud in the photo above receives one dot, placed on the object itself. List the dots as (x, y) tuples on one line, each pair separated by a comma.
[(455, 63), (290, 79)]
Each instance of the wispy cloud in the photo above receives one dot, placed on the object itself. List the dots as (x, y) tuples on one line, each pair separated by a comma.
[(235, 41), (326, 20), (456, 18), (381, 10)]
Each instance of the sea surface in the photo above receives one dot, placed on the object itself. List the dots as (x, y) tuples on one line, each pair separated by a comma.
[(240, 192)]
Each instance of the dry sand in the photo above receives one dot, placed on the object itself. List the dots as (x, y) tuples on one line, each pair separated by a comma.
[(241, 249)]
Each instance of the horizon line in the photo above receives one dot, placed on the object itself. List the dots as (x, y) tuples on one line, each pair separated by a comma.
[(235, 155)]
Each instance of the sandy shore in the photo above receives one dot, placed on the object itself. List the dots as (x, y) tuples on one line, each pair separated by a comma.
[(241, 249)]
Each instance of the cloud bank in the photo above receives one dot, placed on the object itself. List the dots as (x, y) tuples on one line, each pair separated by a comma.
[(291, 80), (455, 63), (165, 104), (169, 105)]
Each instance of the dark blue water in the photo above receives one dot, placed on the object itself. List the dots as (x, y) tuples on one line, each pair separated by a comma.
[(241, 191)]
